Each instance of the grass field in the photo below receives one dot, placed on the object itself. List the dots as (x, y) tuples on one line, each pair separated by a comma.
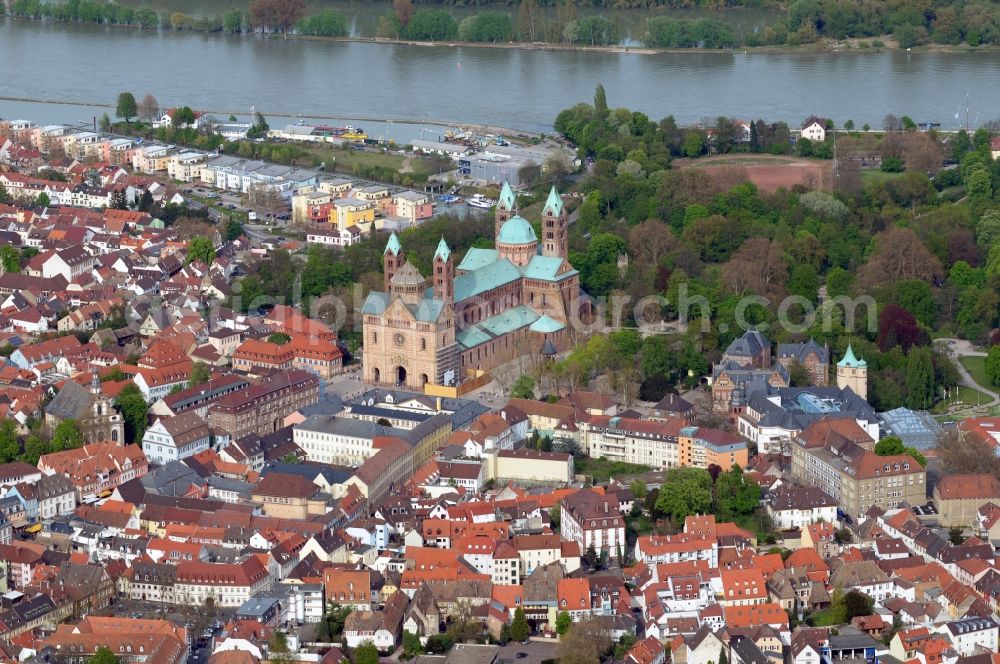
[(872, 175), (603, 469), (961, 395), (976, 366)]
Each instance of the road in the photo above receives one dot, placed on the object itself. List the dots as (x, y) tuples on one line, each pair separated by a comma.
[(958, 348)]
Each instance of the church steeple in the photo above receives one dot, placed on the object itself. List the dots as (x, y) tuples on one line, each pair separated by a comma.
[(506, 208), (555, 225), (392, 260), (444, 273)]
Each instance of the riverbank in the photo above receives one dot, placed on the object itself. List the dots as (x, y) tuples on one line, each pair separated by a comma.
[(853, 45)]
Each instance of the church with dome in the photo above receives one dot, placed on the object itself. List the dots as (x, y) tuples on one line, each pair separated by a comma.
[(494, 305)]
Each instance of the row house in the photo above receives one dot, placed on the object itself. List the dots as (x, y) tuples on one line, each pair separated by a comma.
[(262, 408), (96, 469), (682, 547), (229, 584)]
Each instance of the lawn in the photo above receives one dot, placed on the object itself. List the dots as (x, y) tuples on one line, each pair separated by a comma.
[(964, 395), (603, 469), (874, 175), (976, 366)]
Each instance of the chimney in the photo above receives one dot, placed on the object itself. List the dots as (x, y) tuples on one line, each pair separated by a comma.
[(605, 507)]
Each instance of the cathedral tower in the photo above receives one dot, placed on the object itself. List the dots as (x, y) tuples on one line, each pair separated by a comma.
[(853, 373), (444, 273), (392, 260), (555, 226), (506, 208)]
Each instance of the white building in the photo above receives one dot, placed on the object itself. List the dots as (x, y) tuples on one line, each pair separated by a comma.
[(971, 633), (175, 438), (590, 519), (796, 507)]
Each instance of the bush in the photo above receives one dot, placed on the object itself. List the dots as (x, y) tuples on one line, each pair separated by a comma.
[(892, 165), (431, 25), (327, 23), (488, 26)]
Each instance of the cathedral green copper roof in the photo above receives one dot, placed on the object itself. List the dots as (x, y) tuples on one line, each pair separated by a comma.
[(517, 230), (554, 203), (393, 245), (443, 252), (507, 199)]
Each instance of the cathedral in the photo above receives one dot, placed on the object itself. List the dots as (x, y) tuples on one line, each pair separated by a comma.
[(496, 304)]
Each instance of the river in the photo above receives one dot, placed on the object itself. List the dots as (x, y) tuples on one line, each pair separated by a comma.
[(517, 88)]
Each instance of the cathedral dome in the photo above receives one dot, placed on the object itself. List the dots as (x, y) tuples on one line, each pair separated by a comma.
[(517, 230)]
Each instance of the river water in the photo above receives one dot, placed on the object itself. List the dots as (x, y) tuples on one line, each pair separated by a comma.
[(518, 88)]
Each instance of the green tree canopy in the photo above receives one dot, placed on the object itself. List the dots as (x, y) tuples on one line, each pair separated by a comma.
[(523, 388), (133, 407), (126, 107), (685, 491), (66, 436), (10, 259), (735, 494), (893, 446), (519, 629), (200, 373), (9, 446), (200, 248), (366, 653)]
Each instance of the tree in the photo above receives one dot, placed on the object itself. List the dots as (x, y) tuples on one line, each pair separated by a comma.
[(735, 495), (856, 603), (105, 122), (519, 629), (411, 645), (897, 327), (526, 17), (956, 535), (199, 374), (118, 200), (403, 9), (4, 194), (42, 200), (804, 282), (66, 436), (276, 15), (103, 656), (685, 491), (919, 378), (9, 446), (366, 653), (993, 365), (590, 556), (978, 185), (523, 388), (584, 643), (231, 230), (10, 259), (200, 248), (563, 622), (600, 102), (149, 108), (555, 516), (437, 644), (34, 447), (126, 107), (279, 338), (893, 446), (133, 408), (277, 648)]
